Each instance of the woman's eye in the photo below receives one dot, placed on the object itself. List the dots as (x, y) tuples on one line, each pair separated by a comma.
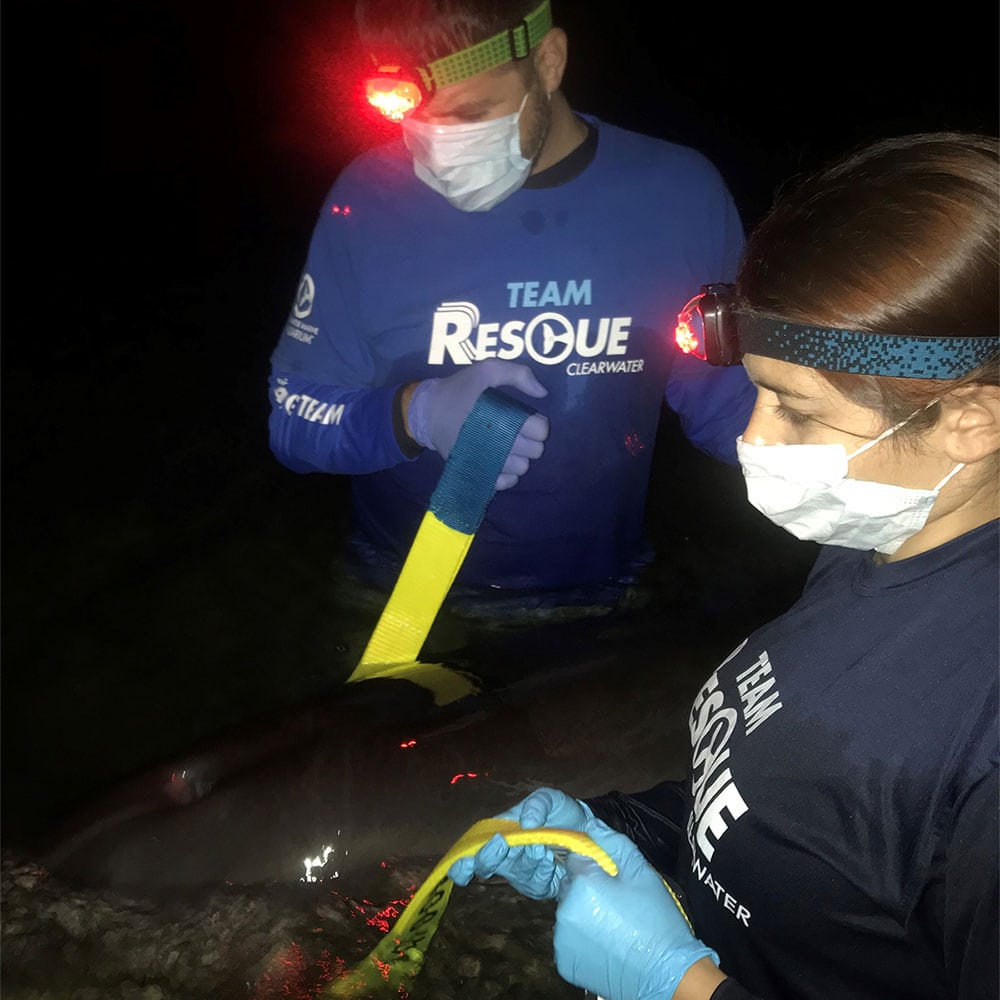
[(792, 416)]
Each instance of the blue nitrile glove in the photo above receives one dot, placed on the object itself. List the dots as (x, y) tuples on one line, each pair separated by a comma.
[(533, 869), (622, 937), (439, 406)]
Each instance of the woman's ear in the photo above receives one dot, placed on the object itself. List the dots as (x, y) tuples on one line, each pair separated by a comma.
[(550, 58), (970, 420)]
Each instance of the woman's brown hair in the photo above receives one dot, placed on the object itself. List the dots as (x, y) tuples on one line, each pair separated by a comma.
[(900, 237)]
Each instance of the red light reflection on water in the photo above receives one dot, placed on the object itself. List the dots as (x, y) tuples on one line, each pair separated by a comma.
[(384, 918), (293, 975), (467, 774), (290, 975), (408, 744)]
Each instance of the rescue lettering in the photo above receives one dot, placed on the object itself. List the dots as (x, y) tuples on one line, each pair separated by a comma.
[(458, 336), (715, 793)]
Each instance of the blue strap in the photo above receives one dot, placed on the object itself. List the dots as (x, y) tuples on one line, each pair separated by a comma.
[(470, 475)]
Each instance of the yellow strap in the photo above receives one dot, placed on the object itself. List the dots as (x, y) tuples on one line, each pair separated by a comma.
[(475, 837), (457, 508), (399, 956), (431, 566), (433, 562)]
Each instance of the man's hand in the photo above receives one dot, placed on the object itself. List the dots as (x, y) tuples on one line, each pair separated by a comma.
[(435, 409)]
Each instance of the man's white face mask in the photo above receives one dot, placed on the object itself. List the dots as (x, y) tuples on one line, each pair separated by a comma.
[(474, 166), (804, 488)]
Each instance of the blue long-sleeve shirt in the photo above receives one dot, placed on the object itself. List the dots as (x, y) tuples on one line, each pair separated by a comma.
[(581, 277)]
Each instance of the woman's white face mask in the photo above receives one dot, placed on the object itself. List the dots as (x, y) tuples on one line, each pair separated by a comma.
[(804, 488), (474, 166)]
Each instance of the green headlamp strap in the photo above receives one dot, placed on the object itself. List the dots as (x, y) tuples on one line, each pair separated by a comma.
[(513, 43)]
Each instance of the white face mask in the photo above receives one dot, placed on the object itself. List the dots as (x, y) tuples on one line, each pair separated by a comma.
[(804, 488), (474, 166)]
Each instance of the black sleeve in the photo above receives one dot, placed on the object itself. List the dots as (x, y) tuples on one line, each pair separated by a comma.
[(652, 820), (729, 989), (407, 445), (972, 871)]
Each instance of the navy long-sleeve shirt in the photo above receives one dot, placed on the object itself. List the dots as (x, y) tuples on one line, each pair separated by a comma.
[(838, 835)]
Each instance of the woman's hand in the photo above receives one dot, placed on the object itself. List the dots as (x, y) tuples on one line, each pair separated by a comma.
[(624, 937), (533, 870)]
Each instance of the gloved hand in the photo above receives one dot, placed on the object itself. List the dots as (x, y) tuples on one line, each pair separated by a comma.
[(533, 870), (622, 937), (439, 406)]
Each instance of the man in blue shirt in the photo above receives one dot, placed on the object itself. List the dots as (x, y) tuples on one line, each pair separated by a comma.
[(503, 240)]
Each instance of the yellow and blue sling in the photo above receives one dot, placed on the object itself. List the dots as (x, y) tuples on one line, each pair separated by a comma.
[(456, 510)]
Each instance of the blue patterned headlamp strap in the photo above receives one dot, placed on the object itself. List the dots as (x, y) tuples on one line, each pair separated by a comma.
[(864, 353)]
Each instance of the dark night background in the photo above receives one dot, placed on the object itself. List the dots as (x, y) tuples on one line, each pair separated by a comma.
[(163, 161)]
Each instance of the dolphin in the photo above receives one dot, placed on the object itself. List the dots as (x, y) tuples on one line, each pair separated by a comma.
[(379, 770)]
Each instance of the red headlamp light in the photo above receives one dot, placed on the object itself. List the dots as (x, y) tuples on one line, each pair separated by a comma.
[(394, 92), (706, 326)]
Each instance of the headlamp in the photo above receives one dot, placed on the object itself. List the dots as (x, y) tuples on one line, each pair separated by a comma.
[(395, 89), (710, 328), (706, 327), (394, 92)]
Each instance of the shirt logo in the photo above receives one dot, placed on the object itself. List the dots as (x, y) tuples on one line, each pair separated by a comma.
[(717, 800), (304, 297), (458, 335)]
